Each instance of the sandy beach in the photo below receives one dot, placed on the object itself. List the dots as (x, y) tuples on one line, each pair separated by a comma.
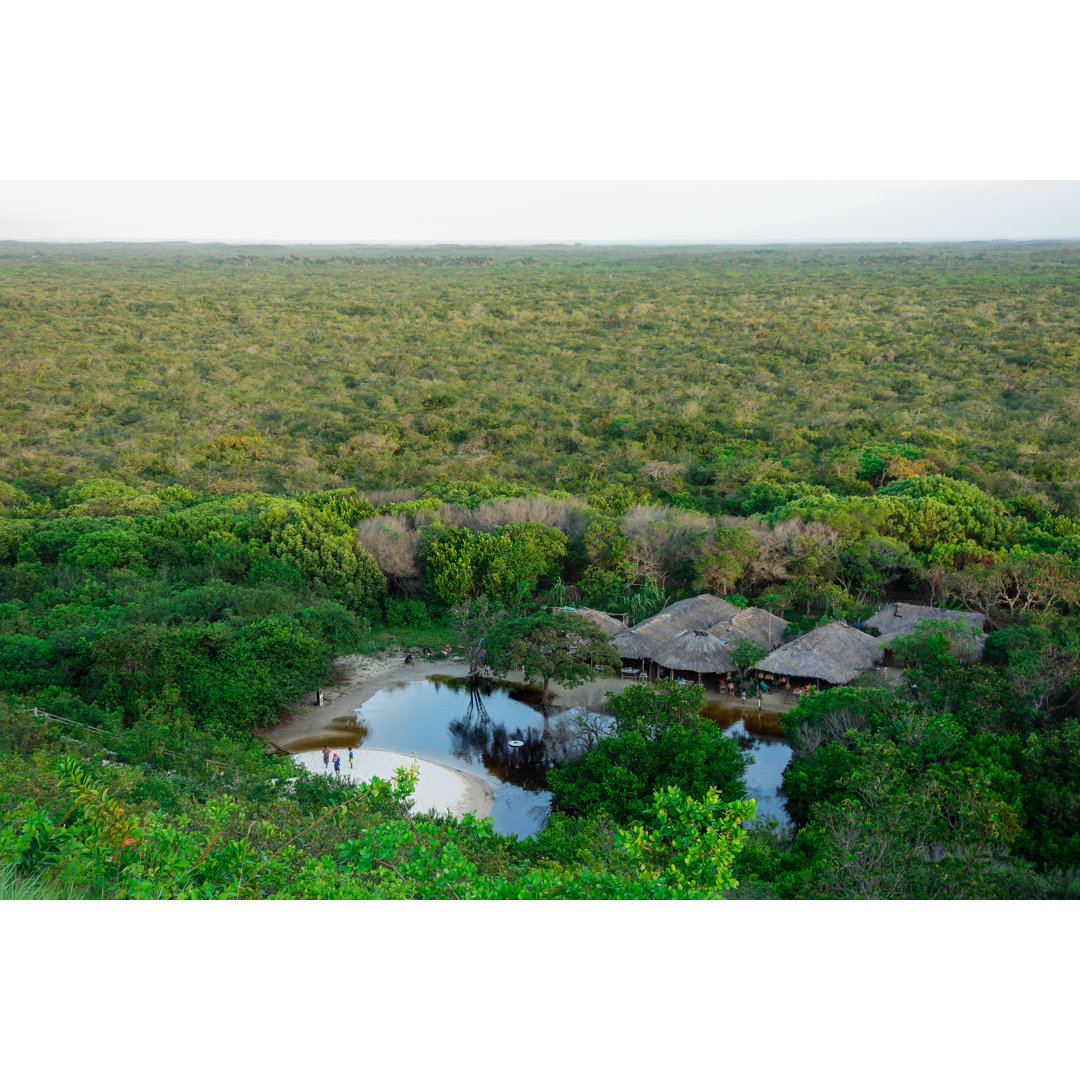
[(303, 729), (438, 787)]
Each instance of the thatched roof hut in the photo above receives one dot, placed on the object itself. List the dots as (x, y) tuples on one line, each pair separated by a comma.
[(896, 619), (641, 642), (835, 654), (696, 650), (699, 612), (601, 620), (755, 623)]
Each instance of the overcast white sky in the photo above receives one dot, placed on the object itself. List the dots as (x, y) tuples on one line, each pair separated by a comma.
[(586, 121)]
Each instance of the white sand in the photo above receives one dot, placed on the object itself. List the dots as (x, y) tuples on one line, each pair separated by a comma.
[(438, 788)]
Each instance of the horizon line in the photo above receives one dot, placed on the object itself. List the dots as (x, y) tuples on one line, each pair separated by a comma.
[(1048, 238)]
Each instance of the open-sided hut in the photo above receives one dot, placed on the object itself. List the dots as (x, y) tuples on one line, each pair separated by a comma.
[(896, 619), (698, 651), (643, 641), (835, 654), (646, 639)]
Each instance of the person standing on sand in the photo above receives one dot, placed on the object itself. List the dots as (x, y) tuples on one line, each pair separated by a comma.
[(337, 765), (326, 757), (350, 757)]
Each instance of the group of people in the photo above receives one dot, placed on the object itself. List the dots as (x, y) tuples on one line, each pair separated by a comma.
[(336, 760), (428, 657)]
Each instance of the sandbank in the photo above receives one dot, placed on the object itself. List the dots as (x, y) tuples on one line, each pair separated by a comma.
[(437, 788)]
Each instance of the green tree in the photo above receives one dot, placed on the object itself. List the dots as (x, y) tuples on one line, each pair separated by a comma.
[(745, 656), (551, 646), (507, 564), (659, 739)]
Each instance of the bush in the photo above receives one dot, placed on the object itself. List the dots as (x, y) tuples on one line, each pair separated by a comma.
[(406, 614)]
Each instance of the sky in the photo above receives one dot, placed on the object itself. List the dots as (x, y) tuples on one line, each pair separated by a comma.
[(575, 122), (536, 212)]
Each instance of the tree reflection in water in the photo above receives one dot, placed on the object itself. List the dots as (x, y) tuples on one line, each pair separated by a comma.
[(477, 737)]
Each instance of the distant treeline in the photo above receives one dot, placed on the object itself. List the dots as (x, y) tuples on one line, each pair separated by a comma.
[(687, 372)]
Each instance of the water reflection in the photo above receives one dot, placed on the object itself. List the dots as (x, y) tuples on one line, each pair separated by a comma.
[(759, 732), (471, 726), (488, 742)]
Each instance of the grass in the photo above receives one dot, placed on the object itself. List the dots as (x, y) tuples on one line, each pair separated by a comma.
[(435, 635), (15, 887)]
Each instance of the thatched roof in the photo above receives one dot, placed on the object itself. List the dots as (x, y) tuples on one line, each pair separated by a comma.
[(700, 612), (599, 619), (755, 623), (649, 639), (696, 650), (641, 642), (895, 619), (835, 653)]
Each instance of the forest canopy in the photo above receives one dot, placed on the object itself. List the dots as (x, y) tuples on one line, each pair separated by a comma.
[(221, 468), (689, 372)]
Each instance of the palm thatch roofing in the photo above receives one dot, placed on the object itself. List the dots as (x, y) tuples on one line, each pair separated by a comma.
[(895, 619), (699, 612), (601, 620), (641, 642), (835, 654), (695, 650), (755, 623)]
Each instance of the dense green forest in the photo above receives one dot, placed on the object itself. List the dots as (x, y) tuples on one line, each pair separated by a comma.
[(223, 467), (688, 372)]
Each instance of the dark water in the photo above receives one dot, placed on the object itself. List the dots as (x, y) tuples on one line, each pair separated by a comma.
[(471, 729), (760, 733)]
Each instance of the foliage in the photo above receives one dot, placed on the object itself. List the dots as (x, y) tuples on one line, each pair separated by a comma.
[(667, 373), (557, 646), (200, 535), (507, 564), (659, 739), (745, 656)]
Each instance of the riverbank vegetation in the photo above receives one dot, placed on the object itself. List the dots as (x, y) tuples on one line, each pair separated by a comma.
[(222, 468)]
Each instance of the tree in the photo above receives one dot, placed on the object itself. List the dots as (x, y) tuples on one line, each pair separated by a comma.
[(745, 656), (659, 738), (551, 645), (694, 842), (336, 564), (473, 621), (655, 708)]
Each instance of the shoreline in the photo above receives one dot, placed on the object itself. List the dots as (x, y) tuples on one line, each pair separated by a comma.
[(306, 726), (438, 787)]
